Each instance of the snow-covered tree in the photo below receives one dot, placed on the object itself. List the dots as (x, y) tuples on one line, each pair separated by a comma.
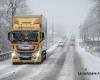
[(9, 9), (91, 27)]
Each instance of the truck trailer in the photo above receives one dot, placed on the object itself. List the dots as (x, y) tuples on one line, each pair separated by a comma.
[(28, 39)]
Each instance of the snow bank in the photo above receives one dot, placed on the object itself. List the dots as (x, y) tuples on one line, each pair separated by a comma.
[(52, 48), (90, 62)]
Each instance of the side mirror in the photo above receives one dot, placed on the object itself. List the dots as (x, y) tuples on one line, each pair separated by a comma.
[(42, 36), (10, 36)]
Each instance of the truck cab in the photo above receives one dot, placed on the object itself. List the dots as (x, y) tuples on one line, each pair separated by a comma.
[(27, 39)]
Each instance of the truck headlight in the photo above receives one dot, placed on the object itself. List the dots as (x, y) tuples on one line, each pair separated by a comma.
[(36, 54), (14, 55)]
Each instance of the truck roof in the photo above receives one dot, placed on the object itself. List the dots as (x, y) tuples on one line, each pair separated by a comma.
[(31, 22), (29, 16)]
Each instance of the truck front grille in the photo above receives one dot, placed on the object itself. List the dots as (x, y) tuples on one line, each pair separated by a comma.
[(29, 58), (25, 55)]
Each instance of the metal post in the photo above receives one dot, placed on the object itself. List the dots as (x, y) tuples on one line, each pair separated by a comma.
[(52, 30)]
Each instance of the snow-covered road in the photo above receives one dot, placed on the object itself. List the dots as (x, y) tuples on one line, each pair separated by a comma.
[(58, 66), (63, 63), (86, 65)]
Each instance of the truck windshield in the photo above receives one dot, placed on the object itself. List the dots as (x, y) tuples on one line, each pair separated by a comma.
[(25, 36)]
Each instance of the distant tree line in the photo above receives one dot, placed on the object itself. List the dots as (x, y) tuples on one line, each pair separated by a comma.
[(90, 29)]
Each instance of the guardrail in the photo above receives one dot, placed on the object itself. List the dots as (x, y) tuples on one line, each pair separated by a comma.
[(4, 56)]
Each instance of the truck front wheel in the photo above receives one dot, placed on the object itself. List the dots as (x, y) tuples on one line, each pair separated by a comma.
[(44, 55), (14, 63)]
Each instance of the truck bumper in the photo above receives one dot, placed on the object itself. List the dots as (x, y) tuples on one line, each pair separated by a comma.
[(37, 60)]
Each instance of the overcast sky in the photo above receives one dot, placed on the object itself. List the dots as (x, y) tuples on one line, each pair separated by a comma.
[(68, 14)]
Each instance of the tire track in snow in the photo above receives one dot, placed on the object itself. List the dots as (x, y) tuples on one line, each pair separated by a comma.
[(52, 71), (67, 70), (28, 70)]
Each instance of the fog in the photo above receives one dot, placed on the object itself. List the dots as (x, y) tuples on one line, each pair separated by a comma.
[(67, 15)]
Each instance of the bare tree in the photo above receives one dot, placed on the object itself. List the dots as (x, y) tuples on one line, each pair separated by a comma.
[(16, 7), (9, 9)]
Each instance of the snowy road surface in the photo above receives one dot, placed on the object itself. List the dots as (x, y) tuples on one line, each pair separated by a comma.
[(63, 63), (86, 65)]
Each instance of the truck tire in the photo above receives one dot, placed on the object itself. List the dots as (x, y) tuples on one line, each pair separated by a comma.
[(44, 54), (14, 63), (45, 57)]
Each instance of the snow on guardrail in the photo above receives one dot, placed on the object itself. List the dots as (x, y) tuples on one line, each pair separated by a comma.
[(5, 55)]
